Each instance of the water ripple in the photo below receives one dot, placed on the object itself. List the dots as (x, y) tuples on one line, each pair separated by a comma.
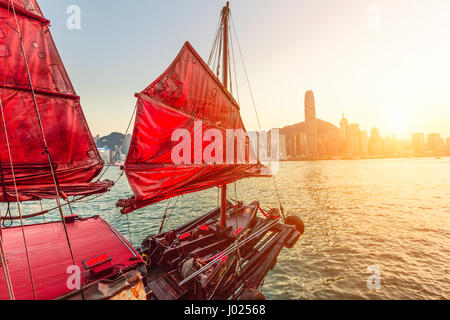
[(394, 214)]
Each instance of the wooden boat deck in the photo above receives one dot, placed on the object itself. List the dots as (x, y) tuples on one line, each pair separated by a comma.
[(50, 256), (256, 257)]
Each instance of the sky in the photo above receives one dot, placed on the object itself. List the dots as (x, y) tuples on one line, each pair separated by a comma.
[(382, 63)]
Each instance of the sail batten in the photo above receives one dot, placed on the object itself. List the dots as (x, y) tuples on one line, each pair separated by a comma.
[(187, 105), (75, 158), (28, 8)]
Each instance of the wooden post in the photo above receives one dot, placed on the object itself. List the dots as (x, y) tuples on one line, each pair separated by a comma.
[(225, 18)]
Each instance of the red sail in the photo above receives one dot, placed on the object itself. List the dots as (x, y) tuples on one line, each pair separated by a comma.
[(190, 98), (74, 155)]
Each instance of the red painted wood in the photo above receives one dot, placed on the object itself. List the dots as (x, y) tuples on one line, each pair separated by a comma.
[(50, 256)]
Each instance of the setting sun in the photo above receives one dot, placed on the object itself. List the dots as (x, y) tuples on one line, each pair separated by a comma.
[(398, 123), (176, 151)]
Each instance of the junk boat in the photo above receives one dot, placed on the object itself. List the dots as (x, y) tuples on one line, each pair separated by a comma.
[(47, 152), (226, 253)]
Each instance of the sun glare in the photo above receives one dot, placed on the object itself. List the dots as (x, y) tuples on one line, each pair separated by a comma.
[(398, 123)]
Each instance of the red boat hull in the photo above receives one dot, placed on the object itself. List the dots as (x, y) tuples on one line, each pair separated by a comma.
[(51, 263)]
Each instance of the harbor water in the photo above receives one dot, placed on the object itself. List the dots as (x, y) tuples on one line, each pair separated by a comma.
[(387, 218)]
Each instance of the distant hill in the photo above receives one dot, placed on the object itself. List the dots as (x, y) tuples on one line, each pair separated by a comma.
[(322, 127), (110, 141)]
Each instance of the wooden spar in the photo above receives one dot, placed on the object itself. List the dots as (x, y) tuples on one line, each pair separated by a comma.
[(226, 13), (25, 13), (223, 198)]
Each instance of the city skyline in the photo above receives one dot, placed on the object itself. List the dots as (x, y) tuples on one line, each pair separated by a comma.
[(383, 63), (326, 180), (382, 134), (316, 139)]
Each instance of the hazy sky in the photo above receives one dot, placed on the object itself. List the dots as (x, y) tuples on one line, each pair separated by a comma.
[(383, 63)]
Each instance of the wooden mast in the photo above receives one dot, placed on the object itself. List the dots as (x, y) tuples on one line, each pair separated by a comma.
[(225, 19)]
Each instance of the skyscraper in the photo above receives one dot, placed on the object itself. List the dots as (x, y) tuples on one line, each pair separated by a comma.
[(283, 147), (364, 142), (311, 126), (418, 143), (343, 126), (344, 142), (435, 143), (376, 144), (126, 144)]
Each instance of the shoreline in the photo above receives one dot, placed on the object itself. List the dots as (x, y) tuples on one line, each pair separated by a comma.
[(366, 158)]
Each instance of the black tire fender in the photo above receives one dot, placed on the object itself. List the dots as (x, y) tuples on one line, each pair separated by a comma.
[(252, 295), (297, 223)]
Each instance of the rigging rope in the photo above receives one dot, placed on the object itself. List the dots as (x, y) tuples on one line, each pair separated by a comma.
[(231, 249), (219, 58), (246, 74), (5, 195), (8, 213), (42, 210), (234, 65), (17, 198), (81, 199), (121, 144), (3, 259), (5, 268), (165, 213), (75, 200), (219, 26), (256, 110), (45, 145), (129, 229)]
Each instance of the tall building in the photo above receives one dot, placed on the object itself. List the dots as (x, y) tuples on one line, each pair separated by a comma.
[(298, 146), (345, 143), (395, 145), (311, 126), (343, 126), (364, 142), (353, 139), (435, 143), (388, 146), (376, 143), (283, 147), (418, 143), (329, 143), (126, 143), (105, 154)]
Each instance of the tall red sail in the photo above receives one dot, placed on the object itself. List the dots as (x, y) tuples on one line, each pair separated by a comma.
[(74, 155), (187, 98)]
